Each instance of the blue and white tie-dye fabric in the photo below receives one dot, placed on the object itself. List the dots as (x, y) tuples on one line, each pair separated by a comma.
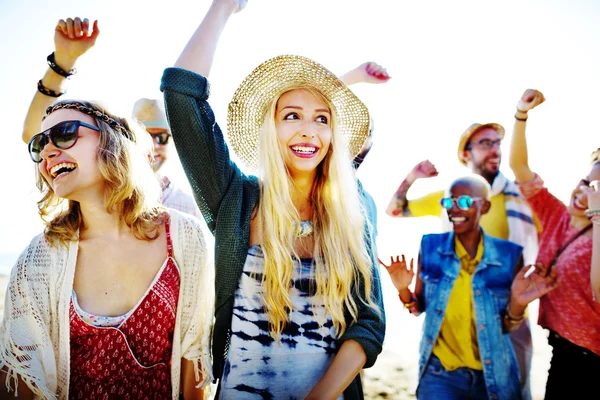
[(258, 366)]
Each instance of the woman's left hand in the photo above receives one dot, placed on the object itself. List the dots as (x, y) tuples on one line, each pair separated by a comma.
[(526, 289), (592, 194)]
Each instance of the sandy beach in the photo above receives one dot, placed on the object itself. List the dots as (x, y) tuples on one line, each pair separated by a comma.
[(394, 375)]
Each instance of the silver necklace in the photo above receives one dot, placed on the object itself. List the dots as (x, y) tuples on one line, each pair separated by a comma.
[(306, 229)]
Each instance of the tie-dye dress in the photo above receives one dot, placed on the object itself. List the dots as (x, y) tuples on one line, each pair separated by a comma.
[(258, 366)]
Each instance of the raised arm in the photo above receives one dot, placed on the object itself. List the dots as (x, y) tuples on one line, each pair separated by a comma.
[(198, 54), (519, 162), (398, 206), (369, 72), (72, 38), (593, 202), (199, 140)]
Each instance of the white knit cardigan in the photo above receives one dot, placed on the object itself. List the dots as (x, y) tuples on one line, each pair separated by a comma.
[(34, 335)]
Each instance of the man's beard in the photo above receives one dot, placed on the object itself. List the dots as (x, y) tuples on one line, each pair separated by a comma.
[(486, 173)]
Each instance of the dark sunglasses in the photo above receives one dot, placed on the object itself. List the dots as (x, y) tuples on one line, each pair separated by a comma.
[(463, 202), (484, 144), (161, 138), (62, 135)]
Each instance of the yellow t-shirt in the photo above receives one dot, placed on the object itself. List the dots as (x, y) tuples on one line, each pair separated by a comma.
[(457, 345)]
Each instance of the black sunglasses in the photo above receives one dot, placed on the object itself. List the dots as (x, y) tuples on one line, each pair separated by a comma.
[(62, 135), (161, 138)]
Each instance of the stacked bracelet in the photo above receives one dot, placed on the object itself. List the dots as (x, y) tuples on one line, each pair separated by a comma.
[(411, 303), (511, 319), (48, 92), (592, 212), (595, 219), (56, 68), (521, 115)]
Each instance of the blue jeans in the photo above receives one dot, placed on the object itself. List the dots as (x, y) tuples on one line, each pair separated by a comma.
[(438, 383)]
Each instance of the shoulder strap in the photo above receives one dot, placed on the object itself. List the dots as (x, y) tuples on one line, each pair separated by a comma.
[(168, 230), (559, 252)]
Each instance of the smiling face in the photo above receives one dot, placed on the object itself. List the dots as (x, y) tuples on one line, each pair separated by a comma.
[(72, 173), (578, 203), (304, 132), (484, 160), (465, 221)]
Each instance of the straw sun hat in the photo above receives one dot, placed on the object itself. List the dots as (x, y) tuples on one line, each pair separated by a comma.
[(151, 113), (273, 78), (471, 130)]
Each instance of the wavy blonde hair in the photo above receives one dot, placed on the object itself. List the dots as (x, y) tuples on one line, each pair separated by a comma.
[(131, 188), (343, 267)]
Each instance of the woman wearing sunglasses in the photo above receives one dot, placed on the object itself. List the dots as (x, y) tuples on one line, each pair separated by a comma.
[(473, 290), (114, 299), (569, 313)]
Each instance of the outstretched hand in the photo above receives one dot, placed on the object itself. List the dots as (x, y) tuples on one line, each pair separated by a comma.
[(72, 38), (531, 98), (524, 290), (424, 169), (401, 276)]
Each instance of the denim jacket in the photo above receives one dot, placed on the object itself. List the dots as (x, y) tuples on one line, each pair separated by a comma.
[(491, 283)]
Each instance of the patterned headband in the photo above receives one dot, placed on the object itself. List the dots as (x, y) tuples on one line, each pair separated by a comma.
[(94, 113)]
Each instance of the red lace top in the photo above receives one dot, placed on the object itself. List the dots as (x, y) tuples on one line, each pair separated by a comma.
[(569, 309), (133, 359)]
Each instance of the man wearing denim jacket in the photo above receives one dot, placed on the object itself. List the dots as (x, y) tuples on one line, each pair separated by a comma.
[(474, 291)]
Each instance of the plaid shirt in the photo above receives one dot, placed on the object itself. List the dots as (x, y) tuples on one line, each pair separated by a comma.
[(173, 197)]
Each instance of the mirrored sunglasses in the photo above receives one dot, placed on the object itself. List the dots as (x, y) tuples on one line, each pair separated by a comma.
[(161, 138), (463, 202), (62, 135)]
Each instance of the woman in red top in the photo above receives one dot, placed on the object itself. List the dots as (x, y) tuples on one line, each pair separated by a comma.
[(107, 303), (569, 312)]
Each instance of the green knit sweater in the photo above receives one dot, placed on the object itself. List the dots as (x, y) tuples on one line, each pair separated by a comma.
[(227, 198)]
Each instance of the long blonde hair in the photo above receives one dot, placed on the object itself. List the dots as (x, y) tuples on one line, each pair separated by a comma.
[(131, 188), (343, 267)]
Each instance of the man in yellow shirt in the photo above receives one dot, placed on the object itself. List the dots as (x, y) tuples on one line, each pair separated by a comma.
[(509, 218)]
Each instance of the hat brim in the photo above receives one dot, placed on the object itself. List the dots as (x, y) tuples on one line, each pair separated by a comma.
[(156, 124), (466, 136), (273, 78)]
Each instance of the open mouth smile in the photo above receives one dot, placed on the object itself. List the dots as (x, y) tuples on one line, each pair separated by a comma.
[(61, 170), (304, 150)]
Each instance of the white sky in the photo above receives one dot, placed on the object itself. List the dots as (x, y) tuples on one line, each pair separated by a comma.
[(452, 64)]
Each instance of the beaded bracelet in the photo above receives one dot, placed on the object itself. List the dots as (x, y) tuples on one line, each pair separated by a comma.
[(48, 92), (56, 68), (592, 212), (511, 319)]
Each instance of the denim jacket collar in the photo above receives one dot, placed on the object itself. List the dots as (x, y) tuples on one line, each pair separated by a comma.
[(490, 257)]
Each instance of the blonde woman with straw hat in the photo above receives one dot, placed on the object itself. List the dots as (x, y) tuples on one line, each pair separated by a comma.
[(298, 306)]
